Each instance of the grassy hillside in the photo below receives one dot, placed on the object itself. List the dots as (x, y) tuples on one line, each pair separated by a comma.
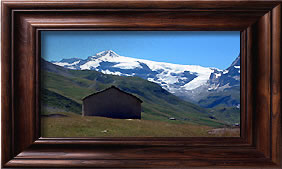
[(58, 102), (221, 104), (230, 115)]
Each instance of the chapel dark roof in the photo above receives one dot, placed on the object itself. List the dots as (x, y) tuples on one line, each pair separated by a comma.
[(113, 87)]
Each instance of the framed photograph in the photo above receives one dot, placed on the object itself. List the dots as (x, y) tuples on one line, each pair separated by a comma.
[(141, 84)]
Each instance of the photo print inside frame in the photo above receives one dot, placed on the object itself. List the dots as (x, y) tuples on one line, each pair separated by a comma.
[(140, 84)]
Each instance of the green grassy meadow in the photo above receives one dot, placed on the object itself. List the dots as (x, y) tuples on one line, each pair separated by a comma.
[(90, 126)]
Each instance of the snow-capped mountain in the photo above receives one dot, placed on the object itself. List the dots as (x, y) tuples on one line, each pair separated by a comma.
[(188, 81), (226, 78), (222, 88)]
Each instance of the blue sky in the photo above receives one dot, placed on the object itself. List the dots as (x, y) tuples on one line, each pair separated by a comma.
[(209, 49)]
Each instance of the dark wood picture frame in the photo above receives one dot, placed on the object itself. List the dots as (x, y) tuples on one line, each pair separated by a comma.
[(260, 25)]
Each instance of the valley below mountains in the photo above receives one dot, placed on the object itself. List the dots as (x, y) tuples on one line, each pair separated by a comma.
[(187, 93)]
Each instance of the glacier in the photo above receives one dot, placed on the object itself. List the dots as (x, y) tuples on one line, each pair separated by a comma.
[(188, 81)]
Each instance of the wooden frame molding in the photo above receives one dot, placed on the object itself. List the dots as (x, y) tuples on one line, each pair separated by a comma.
[(260, 24)]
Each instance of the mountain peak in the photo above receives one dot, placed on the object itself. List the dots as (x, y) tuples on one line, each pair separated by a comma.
[(236, 62), (107, 53)]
